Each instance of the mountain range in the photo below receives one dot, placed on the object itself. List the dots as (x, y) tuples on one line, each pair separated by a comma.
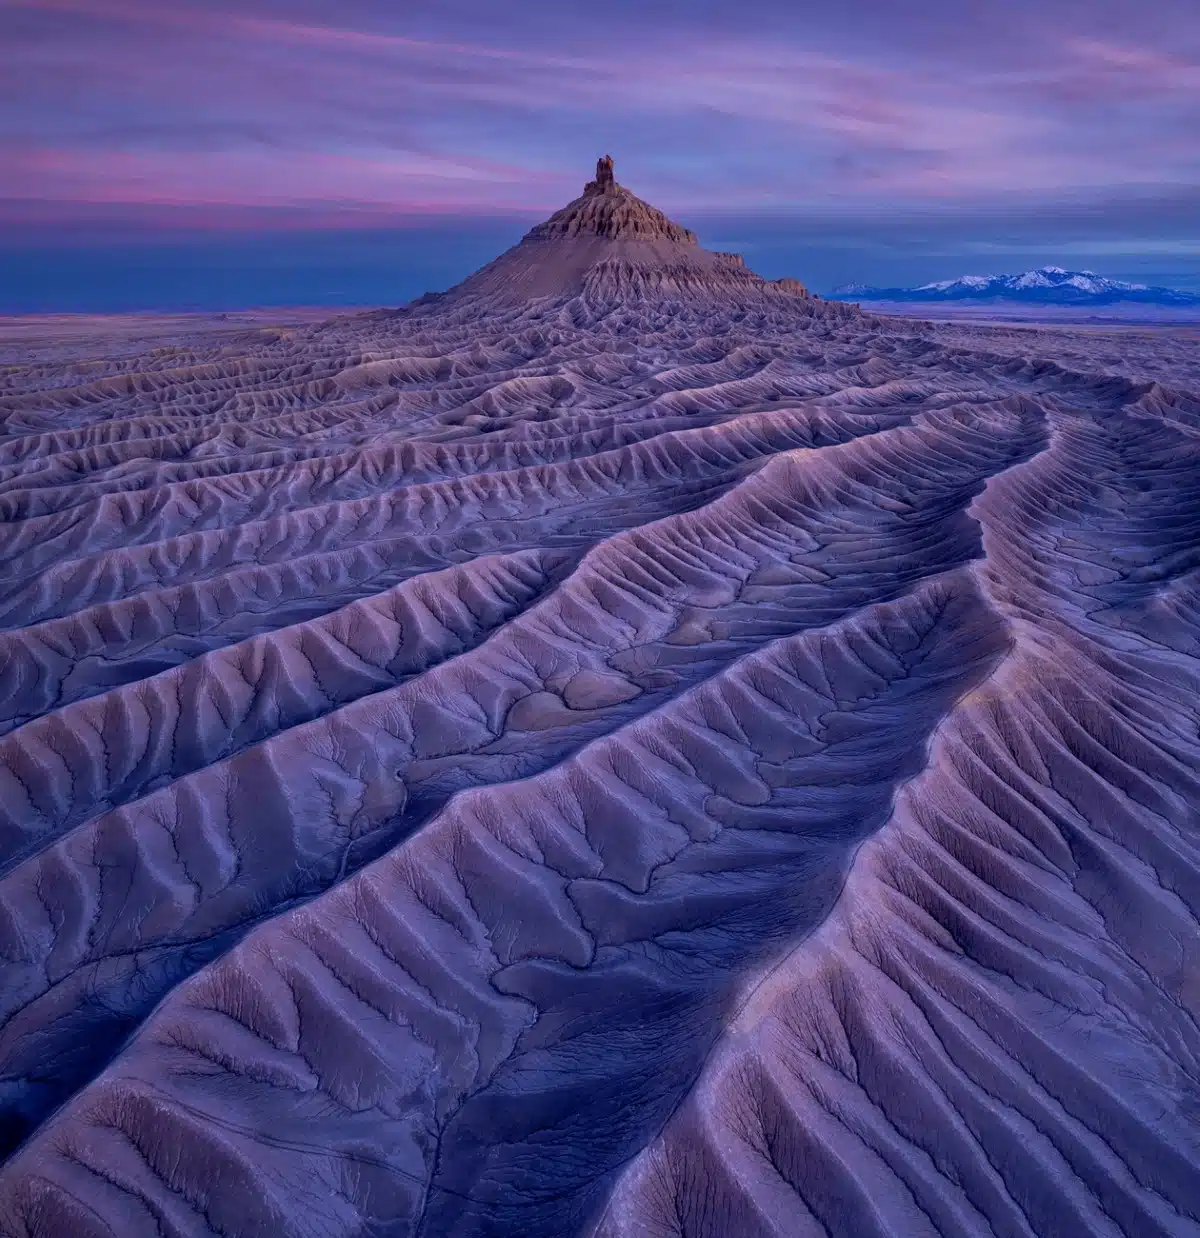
[(1048, 285)]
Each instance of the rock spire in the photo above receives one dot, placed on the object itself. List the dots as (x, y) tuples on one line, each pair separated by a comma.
[(609, 210), (605, 182)]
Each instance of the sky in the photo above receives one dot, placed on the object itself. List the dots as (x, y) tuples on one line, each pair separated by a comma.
[(179, 154)]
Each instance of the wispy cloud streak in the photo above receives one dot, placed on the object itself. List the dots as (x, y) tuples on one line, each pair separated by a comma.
[(111, 101)]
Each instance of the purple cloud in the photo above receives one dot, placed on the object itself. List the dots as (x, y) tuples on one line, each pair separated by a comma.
[(352, 106)]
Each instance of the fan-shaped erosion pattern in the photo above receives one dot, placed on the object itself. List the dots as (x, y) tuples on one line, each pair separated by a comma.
[(621, 749)]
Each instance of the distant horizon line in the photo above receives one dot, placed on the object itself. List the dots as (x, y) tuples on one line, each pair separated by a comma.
[(16, 210), (66, 236)]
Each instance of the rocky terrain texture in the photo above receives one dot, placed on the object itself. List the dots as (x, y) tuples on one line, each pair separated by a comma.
[(621, 748)]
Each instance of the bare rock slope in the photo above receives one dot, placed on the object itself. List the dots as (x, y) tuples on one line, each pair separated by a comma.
[(621, 749)]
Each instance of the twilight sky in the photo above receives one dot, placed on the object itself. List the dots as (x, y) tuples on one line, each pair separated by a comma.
[(363, 150)]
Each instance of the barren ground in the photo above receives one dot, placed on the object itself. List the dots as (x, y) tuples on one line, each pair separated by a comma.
[(598, 765)]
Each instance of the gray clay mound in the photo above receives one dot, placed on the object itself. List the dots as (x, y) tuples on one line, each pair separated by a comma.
[(622, 748)]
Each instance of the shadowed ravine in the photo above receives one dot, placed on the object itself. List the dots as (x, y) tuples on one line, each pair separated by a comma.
[(624, 748)]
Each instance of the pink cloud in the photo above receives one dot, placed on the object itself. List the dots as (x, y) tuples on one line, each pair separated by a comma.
[(1137, 60), (1096, 74), (402, 182), (180, 105), (267, 30)]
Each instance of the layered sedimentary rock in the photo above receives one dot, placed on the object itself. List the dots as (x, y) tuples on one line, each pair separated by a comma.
[(610, 244), (620, 748)]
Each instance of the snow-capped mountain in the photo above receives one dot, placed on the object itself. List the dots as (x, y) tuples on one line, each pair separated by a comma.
[(1045, 286)]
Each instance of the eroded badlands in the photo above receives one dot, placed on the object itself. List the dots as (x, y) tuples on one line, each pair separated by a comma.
[(654, 755)]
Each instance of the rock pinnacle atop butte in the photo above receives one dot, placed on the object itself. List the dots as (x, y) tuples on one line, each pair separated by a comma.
[(609, 243), (610, 210)]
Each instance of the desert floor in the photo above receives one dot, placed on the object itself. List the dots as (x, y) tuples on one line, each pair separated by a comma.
[(620, 768)]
